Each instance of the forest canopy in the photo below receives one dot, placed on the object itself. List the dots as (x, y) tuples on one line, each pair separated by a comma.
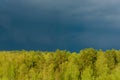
[(88, 64)]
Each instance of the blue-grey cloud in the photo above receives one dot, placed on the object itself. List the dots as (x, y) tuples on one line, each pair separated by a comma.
[(64, 24)]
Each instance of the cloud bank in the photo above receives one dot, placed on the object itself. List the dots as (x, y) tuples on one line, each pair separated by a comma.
[(64, 24)]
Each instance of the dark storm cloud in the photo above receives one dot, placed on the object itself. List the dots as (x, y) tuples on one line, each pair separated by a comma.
[(64, 24)]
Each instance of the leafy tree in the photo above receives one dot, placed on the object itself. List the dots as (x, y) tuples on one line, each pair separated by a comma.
[(111, 58), (101, 66), (87, 57), (72, 70)]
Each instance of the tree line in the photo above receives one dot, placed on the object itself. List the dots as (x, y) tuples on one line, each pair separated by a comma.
[(88, 64)]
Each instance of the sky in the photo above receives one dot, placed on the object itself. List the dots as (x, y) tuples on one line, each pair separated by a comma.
[(59, 24)]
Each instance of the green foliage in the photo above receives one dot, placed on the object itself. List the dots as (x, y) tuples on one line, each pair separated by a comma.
[(88, 64), (87, 74)]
